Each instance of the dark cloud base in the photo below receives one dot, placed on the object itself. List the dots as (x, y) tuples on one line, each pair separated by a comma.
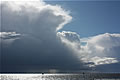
[(28, 55)]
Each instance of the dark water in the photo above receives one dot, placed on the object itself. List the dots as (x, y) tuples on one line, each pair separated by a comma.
[(52, 77)]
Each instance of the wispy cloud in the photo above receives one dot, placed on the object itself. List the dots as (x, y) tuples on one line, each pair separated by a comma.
[(7, 38)]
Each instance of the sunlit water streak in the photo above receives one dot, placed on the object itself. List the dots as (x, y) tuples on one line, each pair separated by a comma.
[(48, 77)]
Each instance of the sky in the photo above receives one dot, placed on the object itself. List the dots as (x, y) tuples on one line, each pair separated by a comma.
[(60, 36), (92, 17)]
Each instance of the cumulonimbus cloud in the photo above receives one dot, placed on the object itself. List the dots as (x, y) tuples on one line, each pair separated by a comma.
[(32, 28), (38, 47)]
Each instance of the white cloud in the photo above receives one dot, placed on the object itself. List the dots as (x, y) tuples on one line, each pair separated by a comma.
[(103, 60), (7, 35), (71, 36), (98, 49), (104, 46), (21, 0), (33, 18), (31, 13), (71, 40), (7, 38)]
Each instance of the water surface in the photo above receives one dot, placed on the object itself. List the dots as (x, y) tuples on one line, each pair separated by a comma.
[(52, 77)]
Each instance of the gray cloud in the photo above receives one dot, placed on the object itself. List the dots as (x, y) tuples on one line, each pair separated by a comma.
[(39, 48)]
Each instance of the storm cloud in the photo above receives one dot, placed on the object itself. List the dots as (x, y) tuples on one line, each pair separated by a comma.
[(38, 47), (31, 41)]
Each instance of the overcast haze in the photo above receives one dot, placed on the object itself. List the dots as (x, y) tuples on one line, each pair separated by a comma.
[(60, 36)]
